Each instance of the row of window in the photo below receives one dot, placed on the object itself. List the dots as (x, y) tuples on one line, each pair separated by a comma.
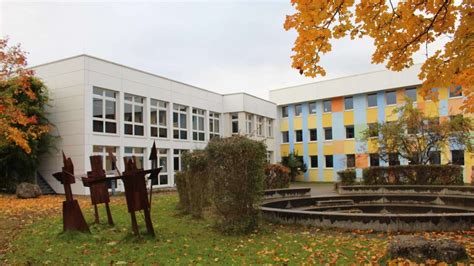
[(313, 135), (457, 157), (390, 99), (105, 117), (255, 125)]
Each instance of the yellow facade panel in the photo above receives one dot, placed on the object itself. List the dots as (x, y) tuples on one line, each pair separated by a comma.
[(327, 120), (372, 115), (349, 147), (299, 149), (348, 117), (313, 175), (328, 148), (284, 150), (299, 178), (311, 121), (469, 162), (328, 175), (443, 94), (284, 125), (431, 109), (372, 145), (390, 115), (313, 148), (297, 123)]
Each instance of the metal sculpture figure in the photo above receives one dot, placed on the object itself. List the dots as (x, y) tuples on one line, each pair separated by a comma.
[(96, 180), (154, 164), (73, 219)]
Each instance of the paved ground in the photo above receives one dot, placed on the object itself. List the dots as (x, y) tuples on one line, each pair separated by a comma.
[(317, 189)]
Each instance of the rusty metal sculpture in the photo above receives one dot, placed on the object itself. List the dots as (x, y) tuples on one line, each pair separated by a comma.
[(96, 180), (73, 219)]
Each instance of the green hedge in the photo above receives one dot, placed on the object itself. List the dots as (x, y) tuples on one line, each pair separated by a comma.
[(414, 175), (276, 176), (347, 177)]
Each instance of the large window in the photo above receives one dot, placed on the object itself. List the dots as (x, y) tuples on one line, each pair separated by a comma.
[(198, 124), (455, 92), (434, 157), (260, 127), (298, 135), (348, 103), (393, 159), (284, 111), (158, 119), (328, 133), (391, 97), (350, 160), (214, 125), (329, 161), (373, 130), (249, 123), (313, 134), (162, 162), (269, 128), (109, 166), (312, 107), (350, 132), (457, 157), (411, 93), (235, 123), (374, 159), (372, 100), (285, 138), (297, 109), (133, 115), (138, 153), (180, 129), (327, 106), (104, 105), (313, 161), (177, 159)]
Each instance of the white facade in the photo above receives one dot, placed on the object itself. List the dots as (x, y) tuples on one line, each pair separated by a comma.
[(85, 91)]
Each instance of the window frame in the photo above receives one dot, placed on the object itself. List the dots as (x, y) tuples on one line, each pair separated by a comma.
[(198, 118), (368, 100), (249, 123), (325, 133), (283, 134), (353, 131), (457, 88), (416, 94), (159, 107), (298, 132), (234, 119), (104, 120), (134, 124), (311, 158), (284, 111), (214, 122), (260, 126), (310, 110), (177, 109), (463, 157), (326, 161), (347, 160), (387, 93), (135, 154), (269, 126), (330, 106), (316, 134), (352, 103)]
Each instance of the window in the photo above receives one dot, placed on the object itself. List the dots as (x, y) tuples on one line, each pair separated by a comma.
[(162, 162), (214, 128), (284, 111), (180, 124), (328, 133), (270, 128), (313, 161), (327, 106), (393, 159), (455, 92), (109, 166), (457, 157), (348, 103), (104, 105), (260, 128), (137, 153), (374, 159), (411, 93), (158, 118), (350, 132), (312, 107), (373, 130), (177, 159), (297, 109), (133, 115), (285, 138), (391, 97), (372, 100), (329, 161), (350, 160), (249, 123), (198, 124), (269, 156), (434, 157), (313, 134), (298, 135), (235, 123)]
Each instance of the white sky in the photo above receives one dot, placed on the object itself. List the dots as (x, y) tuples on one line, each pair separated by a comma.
[(223, 46)]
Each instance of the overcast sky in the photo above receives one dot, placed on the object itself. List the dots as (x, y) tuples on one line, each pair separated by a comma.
[(224, 46)]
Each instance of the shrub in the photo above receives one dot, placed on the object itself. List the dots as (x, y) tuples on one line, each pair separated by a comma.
[(414, 175), (296, 165), (276, 176), (347, 176), (194, 182), (237, 173)]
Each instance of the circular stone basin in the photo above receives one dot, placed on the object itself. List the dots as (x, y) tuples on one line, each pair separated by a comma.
[(380, 212)]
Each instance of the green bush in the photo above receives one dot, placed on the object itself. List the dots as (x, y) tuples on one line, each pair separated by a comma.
[(276, 176), (182, 187), (237, 174), (414, 175), (347, 176)]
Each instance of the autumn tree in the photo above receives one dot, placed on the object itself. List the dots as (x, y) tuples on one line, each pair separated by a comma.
[(414, 137), (23, 125), (399, 30)]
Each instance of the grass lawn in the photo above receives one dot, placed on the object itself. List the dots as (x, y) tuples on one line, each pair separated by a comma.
[(183, 240)]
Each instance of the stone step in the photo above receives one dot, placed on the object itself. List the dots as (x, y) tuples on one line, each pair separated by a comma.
[(46, 189), (334, 202)]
